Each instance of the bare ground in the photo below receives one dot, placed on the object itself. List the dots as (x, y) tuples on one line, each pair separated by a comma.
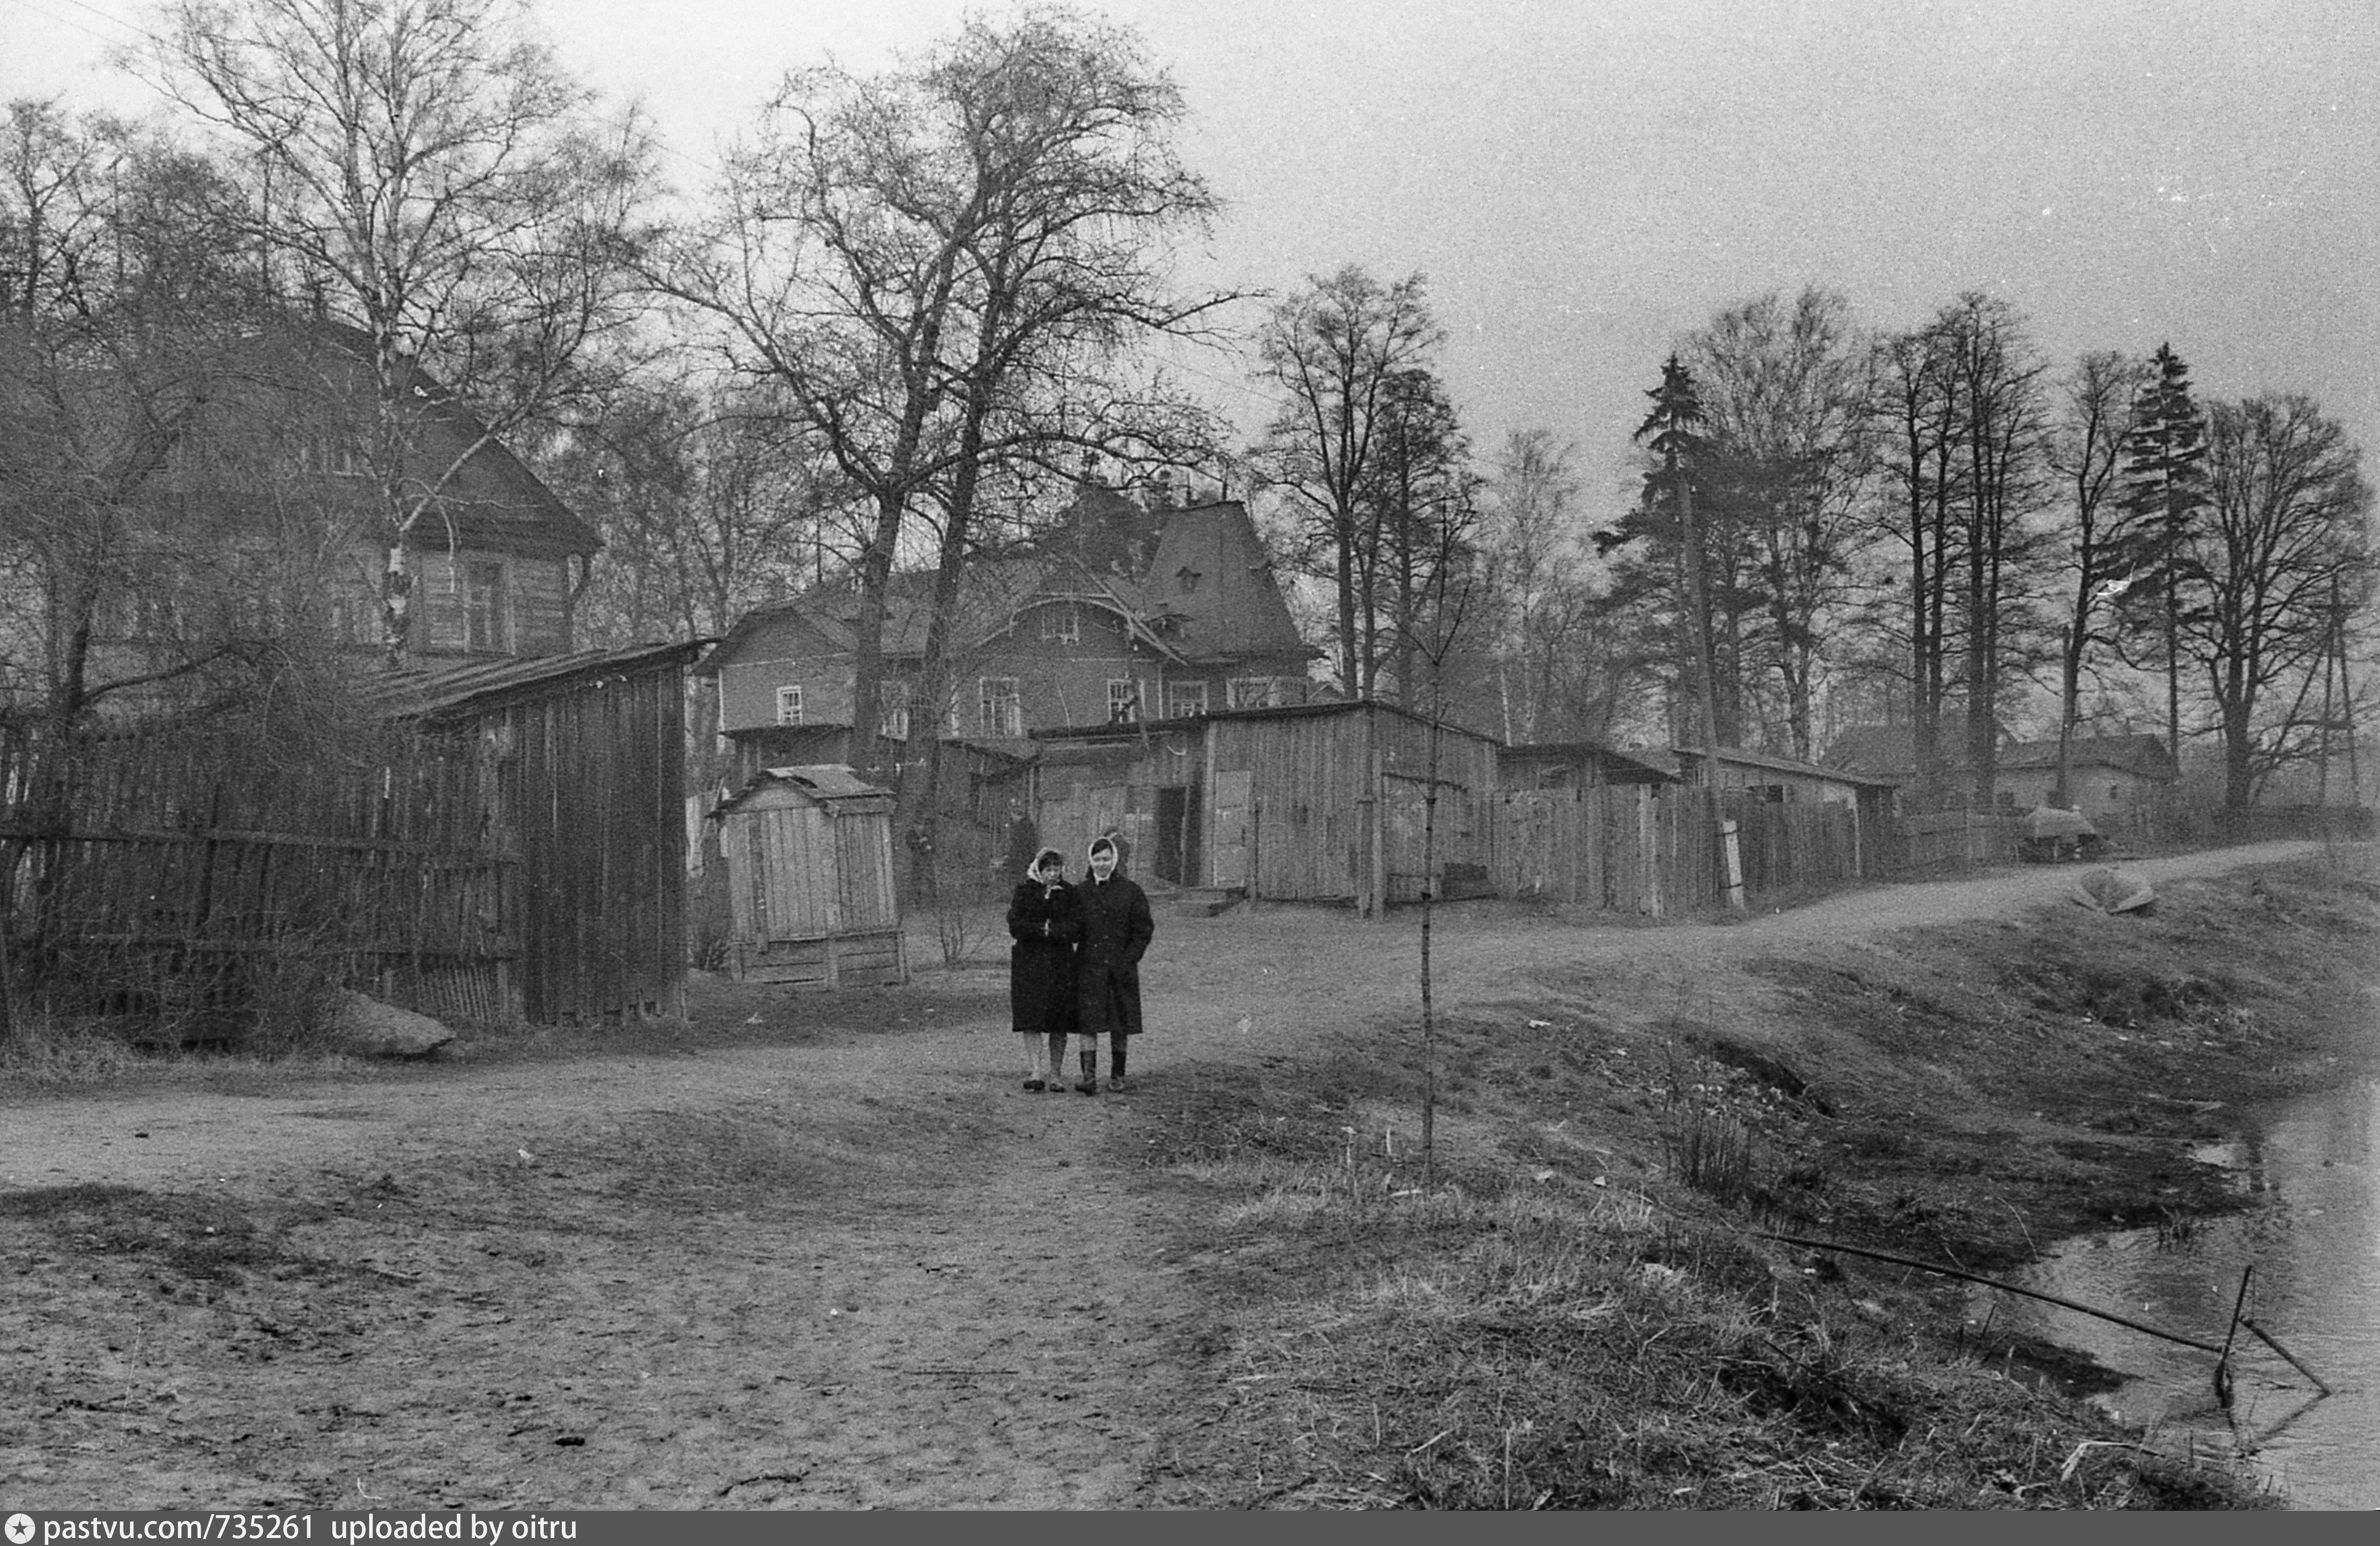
[(806, 1250)]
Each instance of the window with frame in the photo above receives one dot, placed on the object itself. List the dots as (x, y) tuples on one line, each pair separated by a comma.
[(1001, 710), (1123, 700), (487, 607), (789, 705), (893, 709), (1185, 699), (1062, 622)]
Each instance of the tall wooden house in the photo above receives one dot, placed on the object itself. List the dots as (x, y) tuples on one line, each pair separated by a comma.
[(1125, 614), (262, 523)]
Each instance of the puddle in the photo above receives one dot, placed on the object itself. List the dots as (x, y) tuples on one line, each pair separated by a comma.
[(2313, 1240)]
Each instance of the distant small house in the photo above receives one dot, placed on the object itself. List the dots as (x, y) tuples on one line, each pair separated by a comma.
[(808, 852), (1889, 753), (2113, 776)]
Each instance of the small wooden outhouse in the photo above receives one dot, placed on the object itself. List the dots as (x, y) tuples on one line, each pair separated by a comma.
[(809, 880)]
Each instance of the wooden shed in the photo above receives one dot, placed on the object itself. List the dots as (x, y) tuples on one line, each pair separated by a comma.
[(809, 878), (1308, 802), (586, 757)]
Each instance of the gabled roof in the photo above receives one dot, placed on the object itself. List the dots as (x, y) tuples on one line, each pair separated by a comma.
[(2143, 756), (1875, 748), (1892, 748), (496, 502)]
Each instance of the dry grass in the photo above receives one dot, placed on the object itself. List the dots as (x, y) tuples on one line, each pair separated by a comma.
[(1538, 1341)]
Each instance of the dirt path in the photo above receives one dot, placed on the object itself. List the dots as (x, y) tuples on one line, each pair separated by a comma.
[(841, 1265)]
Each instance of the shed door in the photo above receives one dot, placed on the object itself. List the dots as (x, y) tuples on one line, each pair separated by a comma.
[(1227, 829)]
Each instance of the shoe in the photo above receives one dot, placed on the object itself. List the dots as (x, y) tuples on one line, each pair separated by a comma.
[(1088, 1087), (1118, 1084), (1035, 1084)]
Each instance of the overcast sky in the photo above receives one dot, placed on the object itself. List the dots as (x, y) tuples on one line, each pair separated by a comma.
[(1582, 182)]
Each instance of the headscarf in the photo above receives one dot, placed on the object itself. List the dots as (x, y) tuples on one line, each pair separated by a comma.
[(1033, 871), (1097, 843)]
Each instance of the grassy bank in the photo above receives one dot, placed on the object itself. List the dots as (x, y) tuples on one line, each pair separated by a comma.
[(1578, 1310)]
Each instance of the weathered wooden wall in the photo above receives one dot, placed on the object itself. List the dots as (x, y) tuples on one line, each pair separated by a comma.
[(593, 780), (1783, 845), (1311, 779)]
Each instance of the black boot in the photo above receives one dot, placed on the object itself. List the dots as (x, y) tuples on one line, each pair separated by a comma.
[(1090, 1083), (1115, 1064)]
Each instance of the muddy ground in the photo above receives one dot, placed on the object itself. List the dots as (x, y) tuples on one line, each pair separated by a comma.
[(822, 1250)]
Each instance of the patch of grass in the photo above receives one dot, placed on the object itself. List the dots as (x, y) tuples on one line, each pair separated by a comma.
[(1530, 1340)]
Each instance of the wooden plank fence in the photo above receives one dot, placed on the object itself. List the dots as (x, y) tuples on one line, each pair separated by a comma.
[(1659, 851), (1944, 838), (167, 871)]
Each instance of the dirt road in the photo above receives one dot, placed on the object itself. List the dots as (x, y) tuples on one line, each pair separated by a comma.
[(821, 1251)]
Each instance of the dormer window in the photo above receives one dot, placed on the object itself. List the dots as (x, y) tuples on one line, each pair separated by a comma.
[(1062, 622), (1186, 579)]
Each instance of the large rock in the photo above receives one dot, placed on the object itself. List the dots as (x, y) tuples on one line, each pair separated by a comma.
[(364, 1025), (2114, 891)]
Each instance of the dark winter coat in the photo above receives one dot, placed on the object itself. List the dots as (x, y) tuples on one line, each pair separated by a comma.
[(1116, 931), (1045, 926)]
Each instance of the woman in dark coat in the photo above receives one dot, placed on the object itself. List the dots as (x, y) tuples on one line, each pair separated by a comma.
[(1116, 931), (1046, 921)]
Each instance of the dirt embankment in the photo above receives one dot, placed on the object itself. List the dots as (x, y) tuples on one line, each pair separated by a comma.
[(824, 1251)]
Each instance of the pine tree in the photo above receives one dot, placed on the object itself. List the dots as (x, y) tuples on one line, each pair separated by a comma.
[(2165, 491)]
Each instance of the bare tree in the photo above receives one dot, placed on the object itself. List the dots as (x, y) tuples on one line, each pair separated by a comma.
[(939, 270), (710, 502), (128, 401), (1784, 386), (1334, 351), (2286, 541), (2086, 457), (1536, 590), (426, 175)]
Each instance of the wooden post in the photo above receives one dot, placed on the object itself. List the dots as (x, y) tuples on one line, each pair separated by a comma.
[(1731, 840), (1375, 833), (2223, 1361)]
